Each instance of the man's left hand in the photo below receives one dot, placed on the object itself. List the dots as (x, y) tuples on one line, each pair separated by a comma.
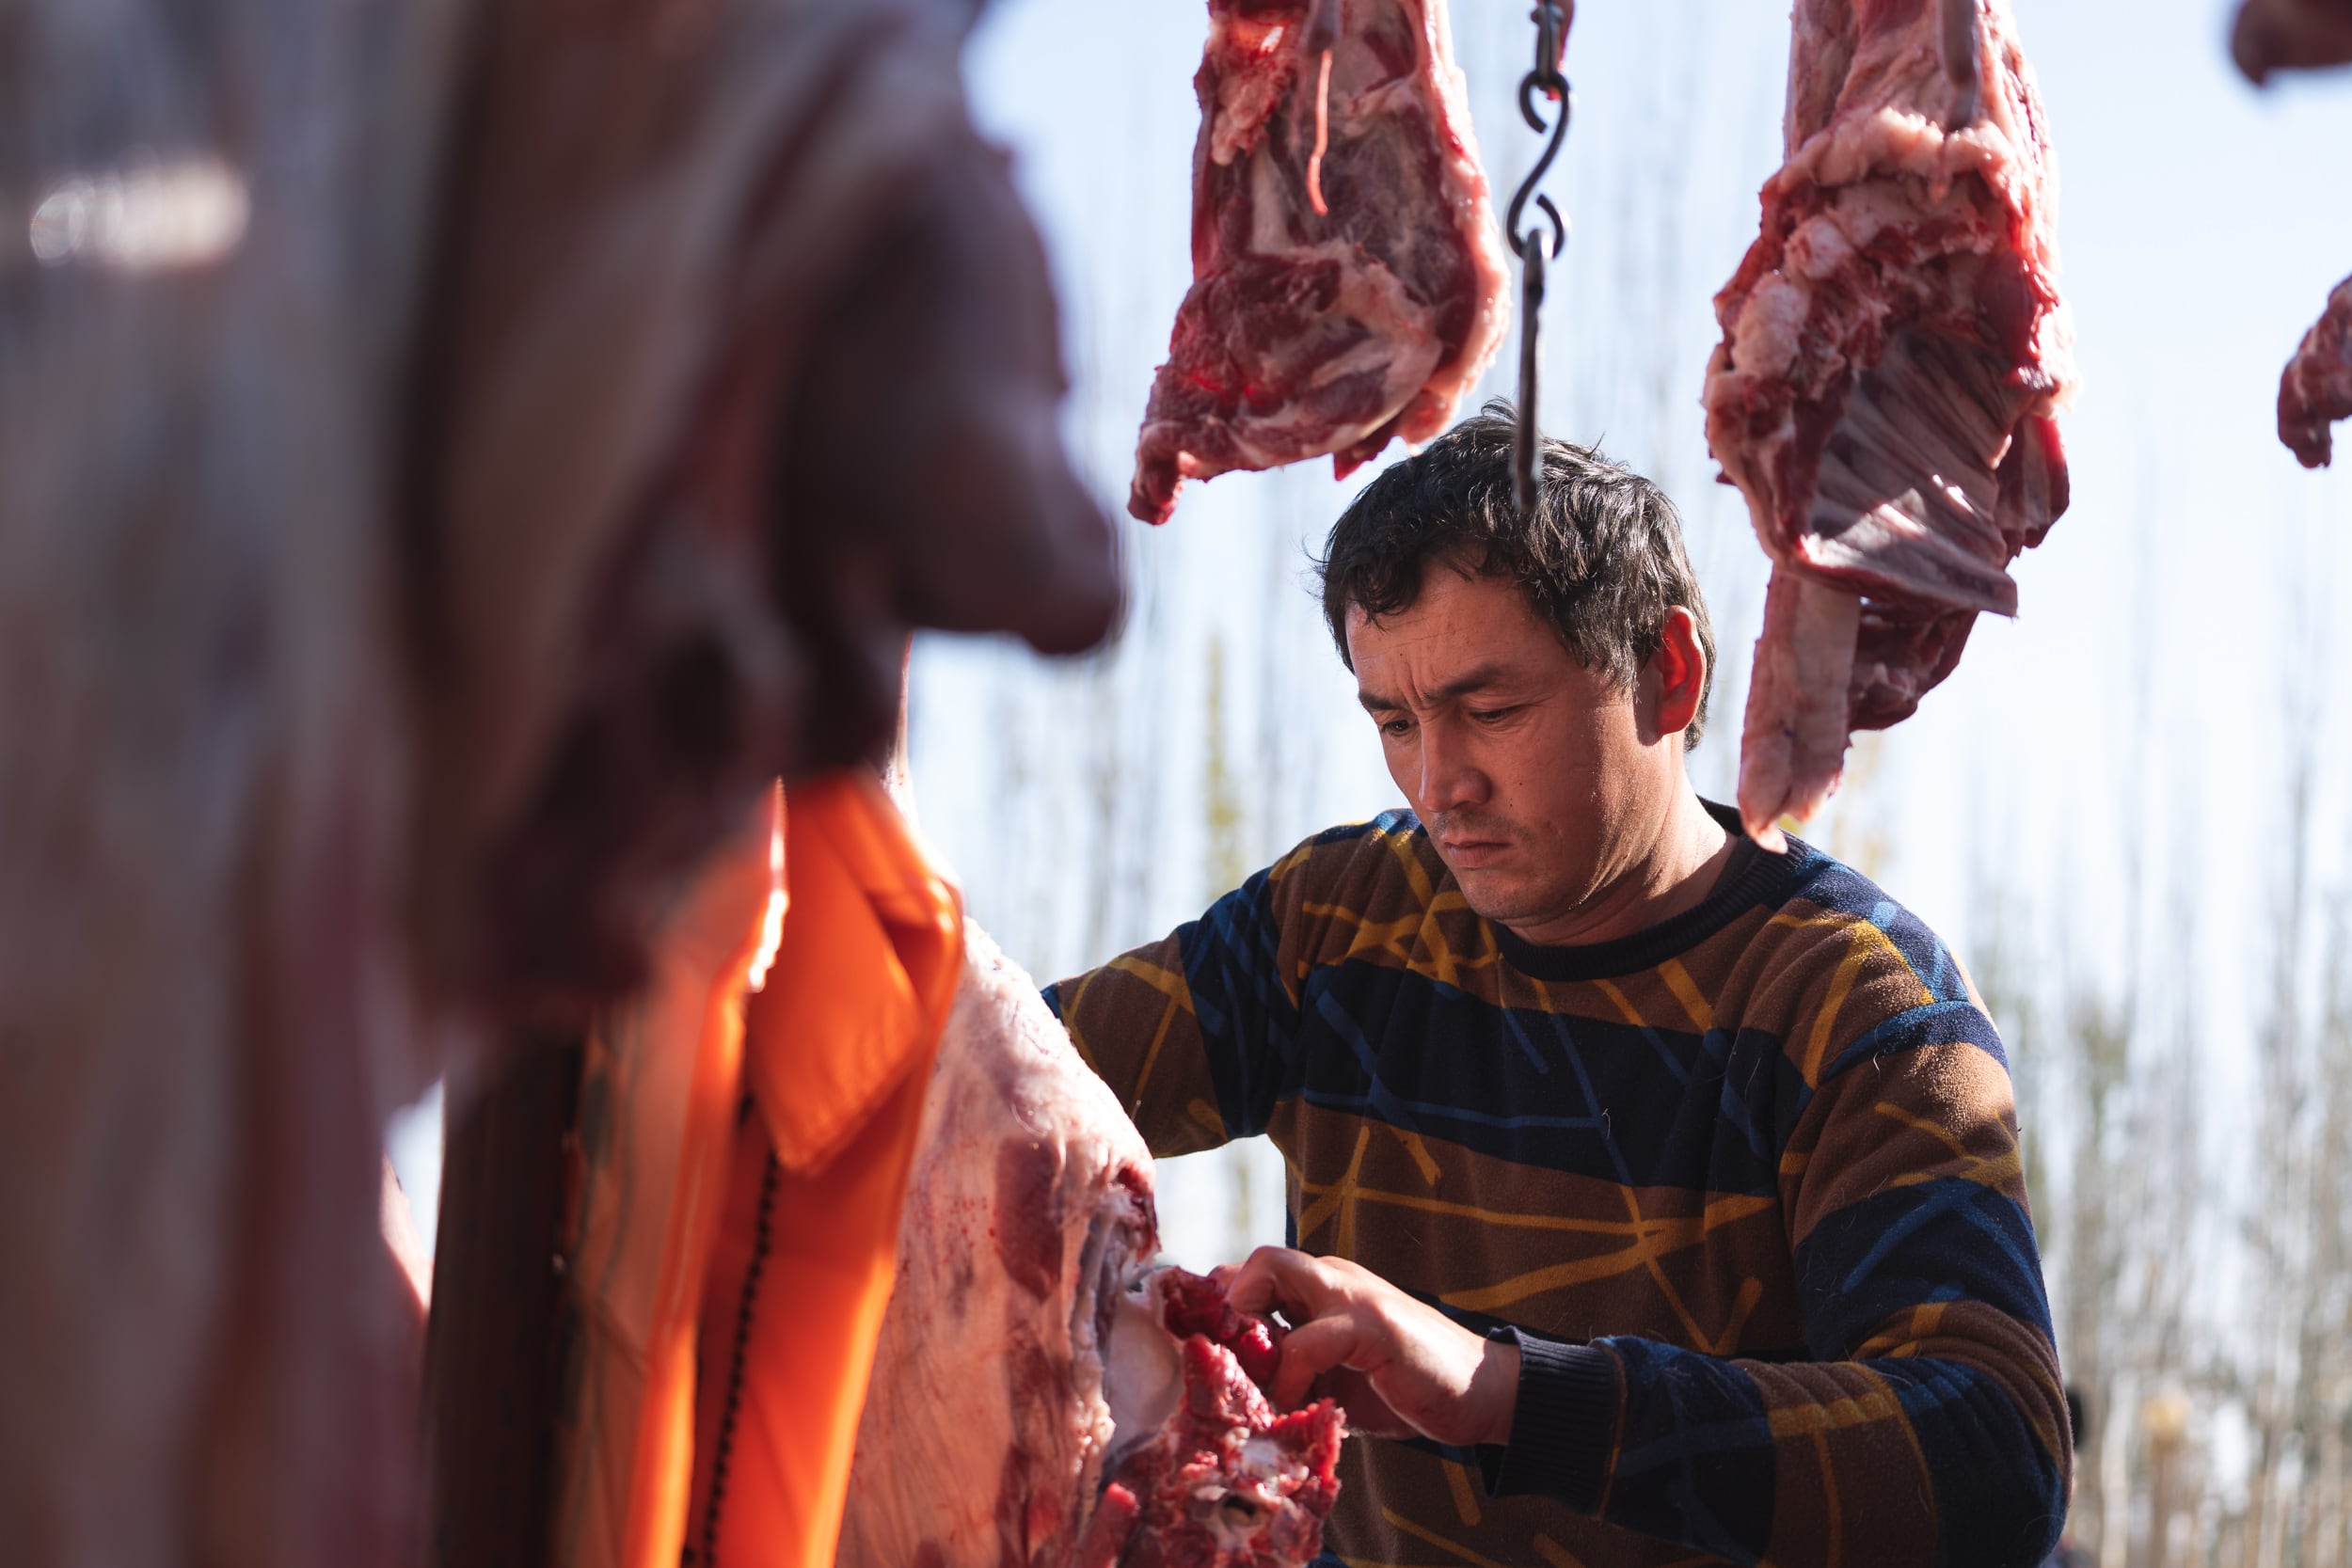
[(1398, 1367)]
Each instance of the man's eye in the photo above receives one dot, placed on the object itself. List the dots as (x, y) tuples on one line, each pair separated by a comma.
[(1397, 727), (1493, 714)]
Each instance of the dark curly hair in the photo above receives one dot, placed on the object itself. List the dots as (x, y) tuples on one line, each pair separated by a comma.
[(1601, 559)]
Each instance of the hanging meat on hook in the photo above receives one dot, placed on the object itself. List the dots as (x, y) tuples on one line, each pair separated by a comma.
[(1347, 275), (1040, 1395), (2316, 390), (2291, 35), (1895, 350)]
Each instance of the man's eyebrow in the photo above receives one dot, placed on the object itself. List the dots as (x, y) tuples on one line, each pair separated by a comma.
[(1461, 685)]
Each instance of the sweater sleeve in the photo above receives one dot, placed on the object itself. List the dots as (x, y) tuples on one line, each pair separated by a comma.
[(1928, 1423), (1197, 1033)]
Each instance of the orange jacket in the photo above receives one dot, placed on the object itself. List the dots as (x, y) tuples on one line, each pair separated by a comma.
[(744, 1157)]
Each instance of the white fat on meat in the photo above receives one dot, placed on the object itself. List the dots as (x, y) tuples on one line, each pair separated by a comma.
[(1895, 349), (1031, 1401)]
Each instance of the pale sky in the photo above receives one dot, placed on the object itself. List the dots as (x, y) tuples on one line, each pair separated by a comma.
[(2148, 676), (2148, 673)]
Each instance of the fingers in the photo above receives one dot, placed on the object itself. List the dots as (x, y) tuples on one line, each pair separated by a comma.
[(1309, 1352), (1276, 1276)]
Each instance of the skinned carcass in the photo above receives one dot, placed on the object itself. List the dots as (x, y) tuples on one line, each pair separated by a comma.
[(2316, 390), (2291, 35), (746, 364), (1894, 349), (1040, 1394), (1347, 275)]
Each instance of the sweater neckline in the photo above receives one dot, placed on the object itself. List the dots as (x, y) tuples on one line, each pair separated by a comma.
[(1752, 875)]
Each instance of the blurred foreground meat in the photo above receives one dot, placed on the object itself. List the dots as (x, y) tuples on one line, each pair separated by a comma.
[(1347, 275), (747, 364), (399, 588), (1040, 1396), (1894, 351), (2316, 390), (206, 1353), (2291, 35)]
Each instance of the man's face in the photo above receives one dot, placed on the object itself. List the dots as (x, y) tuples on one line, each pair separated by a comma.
[(1527, 770)]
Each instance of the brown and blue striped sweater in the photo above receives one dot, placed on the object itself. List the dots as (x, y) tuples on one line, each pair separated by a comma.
[(1744, 1186)]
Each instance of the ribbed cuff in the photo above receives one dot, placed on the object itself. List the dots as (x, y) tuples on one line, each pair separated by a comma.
[(1563, 1427)]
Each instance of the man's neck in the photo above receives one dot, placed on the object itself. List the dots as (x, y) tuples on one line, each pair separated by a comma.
[(1675, 873)]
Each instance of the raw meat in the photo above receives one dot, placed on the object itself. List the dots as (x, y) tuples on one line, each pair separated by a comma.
[(2291, 35), (208, 1357), (1222, 1480), (745, 364), (1895, 348), (2316, 390), (1347, 274), (1040, 1396)]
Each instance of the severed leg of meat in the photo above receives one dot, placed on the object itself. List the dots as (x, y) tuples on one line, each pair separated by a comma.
[(2316, 390), (1347, 275), (1894, 350), (1038, 1395), (2291, 35)]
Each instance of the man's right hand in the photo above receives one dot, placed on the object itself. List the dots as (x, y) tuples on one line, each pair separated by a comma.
[(1397, 1366)]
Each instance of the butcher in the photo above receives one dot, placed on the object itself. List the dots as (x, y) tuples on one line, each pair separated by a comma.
[(1650, 1193)]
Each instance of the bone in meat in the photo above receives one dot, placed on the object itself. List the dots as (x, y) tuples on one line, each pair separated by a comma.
[(1337, 300), (1895, 348), (2291, 35), (1037, 1396), (2316, 390)]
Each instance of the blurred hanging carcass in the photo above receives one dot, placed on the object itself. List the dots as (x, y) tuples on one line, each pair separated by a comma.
[(1347, 275), (2315, 390), (1895, 350), (454, 457), (2291, 35)]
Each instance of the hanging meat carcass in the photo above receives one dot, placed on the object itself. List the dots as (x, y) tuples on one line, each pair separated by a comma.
[(1040, 1395), (746, 363), (2291, 35), (2316, 390), (1895, 348), (251, 488), (1347, 274)]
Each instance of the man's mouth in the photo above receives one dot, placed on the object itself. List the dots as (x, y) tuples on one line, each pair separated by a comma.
[(1470, 854)]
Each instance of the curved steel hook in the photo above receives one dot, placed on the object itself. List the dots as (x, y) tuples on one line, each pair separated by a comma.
[(1552, 26)]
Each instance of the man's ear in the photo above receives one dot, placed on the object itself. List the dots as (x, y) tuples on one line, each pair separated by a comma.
[(1681, 666)]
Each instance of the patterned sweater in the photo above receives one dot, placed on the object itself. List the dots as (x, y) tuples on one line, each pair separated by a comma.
[(1744, 1187)]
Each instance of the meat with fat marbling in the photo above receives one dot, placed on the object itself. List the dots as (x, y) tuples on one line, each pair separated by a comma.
[(1895, 348), (1040, 1395), (1347, 274)]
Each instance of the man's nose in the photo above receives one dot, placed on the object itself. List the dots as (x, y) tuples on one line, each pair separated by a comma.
[(1450, 778)]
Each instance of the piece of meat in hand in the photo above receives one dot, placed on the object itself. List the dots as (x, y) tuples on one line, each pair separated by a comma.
[(1895, 348), (2291, 35), (2316, 390), (1347, 274), (1218, 1478)]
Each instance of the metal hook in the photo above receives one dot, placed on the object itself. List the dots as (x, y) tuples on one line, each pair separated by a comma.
[(1551, 19)]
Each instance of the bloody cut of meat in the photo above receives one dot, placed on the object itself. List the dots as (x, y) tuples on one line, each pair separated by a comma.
[(1347, 274), (2316, 390), (2291, 35), (1895, 348), (1041, 1395)]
